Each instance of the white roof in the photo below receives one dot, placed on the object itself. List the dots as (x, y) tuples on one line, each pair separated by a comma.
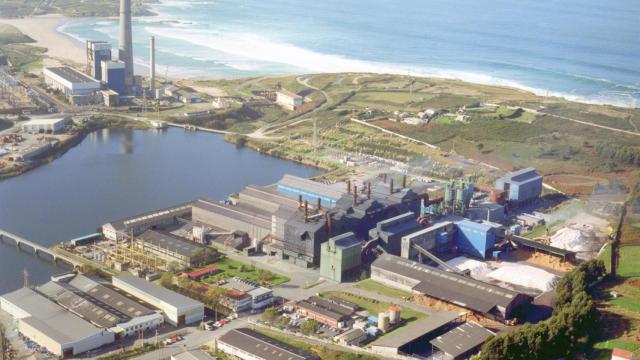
[(44, 121)]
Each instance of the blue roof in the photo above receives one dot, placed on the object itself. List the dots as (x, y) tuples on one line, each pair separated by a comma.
[(474, 225), (521, 176)]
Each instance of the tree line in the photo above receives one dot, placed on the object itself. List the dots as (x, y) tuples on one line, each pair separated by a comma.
[(622, 154), (569, 331)]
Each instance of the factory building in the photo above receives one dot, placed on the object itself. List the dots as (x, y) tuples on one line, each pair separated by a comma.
[(76, 86), (258, 296), (51, 326), (169, 247), (462, 342), (521, 186), (474, 238), (256, 223), (177, 309), (247, 344), (437, 239), (113, 75), (51, 126), (489, 300), (97, 52), (136, 225), (302, 240), (341, 257), (309, 190), (391, 231), (289, 100), (488, 211), (101, 305), (325, 312)]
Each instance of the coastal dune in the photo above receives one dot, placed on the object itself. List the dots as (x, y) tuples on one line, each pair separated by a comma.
[(43, 29)]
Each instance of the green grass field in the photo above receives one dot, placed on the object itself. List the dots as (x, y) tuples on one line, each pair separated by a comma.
[(373, 286), (231, 268)]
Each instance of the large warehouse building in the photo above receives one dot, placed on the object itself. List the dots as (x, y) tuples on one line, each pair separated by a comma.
[(52, 126), (136, 225), (76, 86), (521, 186), (481, 297), (51, 326), (177, 309), (247, 344)]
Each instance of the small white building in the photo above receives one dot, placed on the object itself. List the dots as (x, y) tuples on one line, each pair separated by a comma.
[(177, 309), (289, 100), (69, 81), (52, 126)]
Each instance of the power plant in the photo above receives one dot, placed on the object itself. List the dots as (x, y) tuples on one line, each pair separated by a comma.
[(126, 47), (152, 66)]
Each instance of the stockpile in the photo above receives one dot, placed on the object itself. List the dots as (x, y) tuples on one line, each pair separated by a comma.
[(524, 275), (477, 268), (571, 239)]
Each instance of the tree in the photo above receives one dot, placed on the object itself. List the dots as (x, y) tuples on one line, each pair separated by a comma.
[(166, 279), (269, 314), (310, 326), (214, 297), (284, 321)]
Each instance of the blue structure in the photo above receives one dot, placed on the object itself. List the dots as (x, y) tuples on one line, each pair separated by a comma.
[(521, 186), (97, 52), (474, 239), (113, 74), (309, 190)]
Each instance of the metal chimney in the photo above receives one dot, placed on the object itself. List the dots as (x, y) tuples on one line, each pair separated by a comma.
[(319, 204), (369, 190), (391, 186), (349, 186), (306, 211), (125, 53), (355, 195), (152, 75), (404, 181)]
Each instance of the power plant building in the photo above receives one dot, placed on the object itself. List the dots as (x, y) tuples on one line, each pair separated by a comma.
[(309, 190), (125, 51), (113, 75), (97, 52), (51, 326), (177, 309), (341, 257), (76, 86), (521, 186)]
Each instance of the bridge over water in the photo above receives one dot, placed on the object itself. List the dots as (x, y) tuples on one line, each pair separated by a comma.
[(37, 249)]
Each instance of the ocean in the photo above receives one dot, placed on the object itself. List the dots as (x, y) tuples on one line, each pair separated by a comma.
[(583, 50)]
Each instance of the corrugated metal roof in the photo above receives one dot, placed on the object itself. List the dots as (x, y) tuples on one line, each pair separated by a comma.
[(263, 346), (462, 339), (158, 292)]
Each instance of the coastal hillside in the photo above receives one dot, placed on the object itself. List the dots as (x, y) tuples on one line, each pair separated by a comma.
[(75, 8)]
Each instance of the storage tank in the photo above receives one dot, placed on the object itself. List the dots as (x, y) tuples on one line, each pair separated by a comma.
[(394, 314), (383, 321)]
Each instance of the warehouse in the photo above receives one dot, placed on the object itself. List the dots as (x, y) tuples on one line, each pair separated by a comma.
[(309, 190), (76, 86), (177, 309), (51, 326), (169, 247), (324, 311), (232, 218), (437, 239), (266, 199), (50, 126), (391, 231), (340, 257), (481, 297), (101, 305), (461, 342), (136, 225), (248, 344), (521, 186)]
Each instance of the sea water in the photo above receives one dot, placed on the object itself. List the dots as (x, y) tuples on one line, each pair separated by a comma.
[(585, 50)]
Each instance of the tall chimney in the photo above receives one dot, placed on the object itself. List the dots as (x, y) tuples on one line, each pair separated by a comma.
[(152, 74), (369, 190), (404, 181), (355, 194), (349, 186), (125, 53), (299, 201), (306, 210), (391, 186), (319, 204)]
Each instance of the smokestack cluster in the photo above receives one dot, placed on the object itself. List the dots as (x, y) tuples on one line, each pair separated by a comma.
[(125, 53)]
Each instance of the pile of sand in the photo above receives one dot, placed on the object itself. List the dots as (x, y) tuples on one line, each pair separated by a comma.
[(571, 239), (477, 268), (524, 275)]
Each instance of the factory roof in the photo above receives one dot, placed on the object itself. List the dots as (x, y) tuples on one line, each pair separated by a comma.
[(50, 121), (49, 318), (447, 286), (330, 305), (474, 225), (268, 194), (150, 216), (170, 242), (193, 355), (110, 297), (350, 335), (345, 240), (409, 333), (399, 224), (311, 307), (196, 354), (310, 187), (522, 176), (239, 284), (462, 339), (433, 227), (262, 346), (540, 246), (158, 292), (288, 93), (70, 74), (234, 212)]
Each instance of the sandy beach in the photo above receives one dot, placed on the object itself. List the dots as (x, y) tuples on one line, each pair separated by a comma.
[(43, 30)]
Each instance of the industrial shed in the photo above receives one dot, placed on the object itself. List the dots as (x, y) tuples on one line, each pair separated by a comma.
[(309, 190), (481, 297), (232, 218), (536, 246), (177, 309), (137, 224), (521, 186), (52, 326), (391, 231), (461, 342), (247, 344)]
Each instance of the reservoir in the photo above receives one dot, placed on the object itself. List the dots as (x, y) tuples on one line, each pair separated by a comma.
[(115, 173)]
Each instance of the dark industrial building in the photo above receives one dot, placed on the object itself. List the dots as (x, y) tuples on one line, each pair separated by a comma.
[(461, 343), (521, 186), (481, 297), (391, 231), (244, 343)]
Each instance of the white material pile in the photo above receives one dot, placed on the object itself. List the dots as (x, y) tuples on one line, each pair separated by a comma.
[(571, 239), (524, 275), (478, 269)]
